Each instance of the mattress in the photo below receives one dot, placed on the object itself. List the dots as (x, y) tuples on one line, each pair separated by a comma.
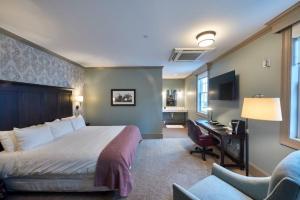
[(75, 154)]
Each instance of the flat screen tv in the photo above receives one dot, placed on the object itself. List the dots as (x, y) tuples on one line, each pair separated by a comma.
[(223, 87)]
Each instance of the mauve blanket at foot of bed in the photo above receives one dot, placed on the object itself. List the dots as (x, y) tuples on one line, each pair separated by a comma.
[(113, 164)]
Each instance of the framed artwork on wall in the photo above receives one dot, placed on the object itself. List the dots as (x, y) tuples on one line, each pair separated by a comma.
[(123, 97)]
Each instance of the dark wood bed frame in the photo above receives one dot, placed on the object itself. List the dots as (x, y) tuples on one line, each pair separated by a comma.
[(23, 104)]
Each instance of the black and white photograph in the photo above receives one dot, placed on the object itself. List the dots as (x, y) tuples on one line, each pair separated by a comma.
[(123, 97)]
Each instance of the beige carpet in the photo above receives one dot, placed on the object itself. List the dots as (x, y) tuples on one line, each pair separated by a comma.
[(175, 132), (158, 164)]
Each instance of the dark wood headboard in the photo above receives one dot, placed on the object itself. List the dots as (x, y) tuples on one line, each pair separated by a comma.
[(23, 104)]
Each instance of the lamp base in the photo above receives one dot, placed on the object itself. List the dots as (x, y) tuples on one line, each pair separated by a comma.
[(77, 111)]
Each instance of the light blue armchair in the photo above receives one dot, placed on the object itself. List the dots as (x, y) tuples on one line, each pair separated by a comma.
[(283, 184)]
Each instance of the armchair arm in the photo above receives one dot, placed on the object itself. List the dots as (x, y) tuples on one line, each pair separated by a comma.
[(285, 189), (179, 193), (255, 187)]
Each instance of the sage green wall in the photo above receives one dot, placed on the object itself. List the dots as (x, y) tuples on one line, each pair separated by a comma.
[(177, 84), (190, 96), (265, 149), (147, 114)]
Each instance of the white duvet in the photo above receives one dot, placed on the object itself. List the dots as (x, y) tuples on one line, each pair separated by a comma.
[(75, 153)]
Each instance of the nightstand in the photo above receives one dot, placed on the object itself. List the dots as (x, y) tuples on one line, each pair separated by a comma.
[(3, 192)]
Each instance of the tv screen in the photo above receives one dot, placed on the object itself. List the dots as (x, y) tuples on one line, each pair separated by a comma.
[(222, 87)]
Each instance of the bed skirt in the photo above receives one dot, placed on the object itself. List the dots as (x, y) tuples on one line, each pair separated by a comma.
[(35, 184)]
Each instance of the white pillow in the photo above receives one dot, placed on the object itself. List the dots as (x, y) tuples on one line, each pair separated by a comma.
[(8, 141), (60, 128), (31, 137), (78, 122)]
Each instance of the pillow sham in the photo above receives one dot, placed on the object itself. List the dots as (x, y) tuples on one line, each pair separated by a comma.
[(78, 122), (60, 128), (31, 137), (8, 141)]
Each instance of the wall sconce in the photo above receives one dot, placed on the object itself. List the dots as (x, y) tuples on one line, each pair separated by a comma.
[(180, 94), (266, 63), (80, 100)]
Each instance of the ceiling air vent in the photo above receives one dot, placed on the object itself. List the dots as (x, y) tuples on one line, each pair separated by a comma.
[(187, 54)]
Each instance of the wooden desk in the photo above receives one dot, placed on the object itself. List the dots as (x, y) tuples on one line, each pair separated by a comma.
[(223, 135)]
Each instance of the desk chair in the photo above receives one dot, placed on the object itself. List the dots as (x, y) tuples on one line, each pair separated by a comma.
[(202, 140)]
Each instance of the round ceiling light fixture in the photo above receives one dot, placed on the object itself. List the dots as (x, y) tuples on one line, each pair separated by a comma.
[(206, 38)]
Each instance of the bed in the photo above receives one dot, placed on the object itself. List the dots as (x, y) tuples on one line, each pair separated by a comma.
[(89, 159), (92, 158)]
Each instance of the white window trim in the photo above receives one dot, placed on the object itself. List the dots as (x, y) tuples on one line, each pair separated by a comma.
[(295, 65), (200, 76), (285, 128), (298, 63)]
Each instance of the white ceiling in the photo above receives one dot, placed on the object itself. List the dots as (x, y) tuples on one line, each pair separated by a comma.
[(110, 33)]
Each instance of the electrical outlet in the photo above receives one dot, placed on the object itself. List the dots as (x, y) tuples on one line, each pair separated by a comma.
[(266, 63)]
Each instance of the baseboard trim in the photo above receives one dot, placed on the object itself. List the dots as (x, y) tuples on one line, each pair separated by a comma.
[(256, 171), (152, 136)]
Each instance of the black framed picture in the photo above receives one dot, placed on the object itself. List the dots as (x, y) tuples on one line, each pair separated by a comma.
[(123, 97)]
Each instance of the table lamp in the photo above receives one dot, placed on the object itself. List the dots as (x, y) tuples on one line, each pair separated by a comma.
[(210, 110), (260, 108)]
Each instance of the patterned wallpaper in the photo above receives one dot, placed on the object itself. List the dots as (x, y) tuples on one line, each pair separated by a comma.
[(23, 63)]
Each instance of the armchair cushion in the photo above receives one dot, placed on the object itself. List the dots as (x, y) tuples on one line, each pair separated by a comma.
[(179, 193), (254, 187), (214, 188)]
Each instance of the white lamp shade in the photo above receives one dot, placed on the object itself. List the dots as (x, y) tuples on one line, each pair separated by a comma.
[(208, 109), (262, 109), (78, 98)]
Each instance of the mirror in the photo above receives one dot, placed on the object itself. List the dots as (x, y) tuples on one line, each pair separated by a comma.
[(171, 98)]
